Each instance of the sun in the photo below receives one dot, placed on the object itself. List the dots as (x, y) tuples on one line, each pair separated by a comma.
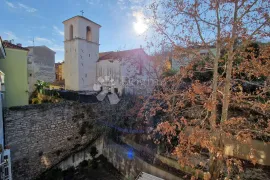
[(139, 26)]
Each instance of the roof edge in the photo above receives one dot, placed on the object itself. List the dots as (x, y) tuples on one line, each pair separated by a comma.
[(41, 46), (83, 18)]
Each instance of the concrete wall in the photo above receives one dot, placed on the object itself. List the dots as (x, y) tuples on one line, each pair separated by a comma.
[(16, 85), (40, 65), (40, 136), (75, 159), (126, 161)]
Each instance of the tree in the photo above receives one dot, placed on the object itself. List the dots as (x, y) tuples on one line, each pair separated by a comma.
[(198, 115), (41, 85)]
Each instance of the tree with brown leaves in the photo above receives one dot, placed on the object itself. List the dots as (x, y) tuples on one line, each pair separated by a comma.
[(220, 96)]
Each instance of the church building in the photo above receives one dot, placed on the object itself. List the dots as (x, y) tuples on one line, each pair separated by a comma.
[(84, 64)]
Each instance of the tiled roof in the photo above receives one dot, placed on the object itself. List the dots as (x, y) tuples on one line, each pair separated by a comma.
[(121, 54), (13, 46)]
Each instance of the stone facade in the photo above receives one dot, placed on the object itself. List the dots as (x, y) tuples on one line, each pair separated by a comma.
[(40, 65), (41, 136)]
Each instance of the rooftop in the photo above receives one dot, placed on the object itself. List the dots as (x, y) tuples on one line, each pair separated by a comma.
[(83, 18), (40, 47), (112, 55), (7, 44)]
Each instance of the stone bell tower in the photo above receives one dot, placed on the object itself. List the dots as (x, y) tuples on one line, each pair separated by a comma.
[(81, 53)]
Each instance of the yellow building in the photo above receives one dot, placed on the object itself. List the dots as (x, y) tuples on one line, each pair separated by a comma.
[(59, 82), (59, 71)]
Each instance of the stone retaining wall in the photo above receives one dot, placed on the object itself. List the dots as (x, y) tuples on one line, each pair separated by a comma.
[(41, 136)]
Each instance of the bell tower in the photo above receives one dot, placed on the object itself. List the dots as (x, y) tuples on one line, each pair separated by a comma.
[(81, 53)]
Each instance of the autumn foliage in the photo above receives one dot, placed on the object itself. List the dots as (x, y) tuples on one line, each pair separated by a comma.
[(220, 96)]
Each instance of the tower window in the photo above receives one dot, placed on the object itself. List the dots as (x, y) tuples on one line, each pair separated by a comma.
[(71, 32), (88, 34)]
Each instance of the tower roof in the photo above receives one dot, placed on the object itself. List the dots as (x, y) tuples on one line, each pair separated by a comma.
[(78, 16)]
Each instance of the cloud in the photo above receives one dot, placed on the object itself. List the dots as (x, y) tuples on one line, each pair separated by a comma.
[(91, 2), (56, 29), (122, 4), (50, 43), (21, 6), (27, 8), (11, 5), (10, 35), (57, 48), (43, 40)]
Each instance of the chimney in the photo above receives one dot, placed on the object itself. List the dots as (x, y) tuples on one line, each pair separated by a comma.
[(19, 44)]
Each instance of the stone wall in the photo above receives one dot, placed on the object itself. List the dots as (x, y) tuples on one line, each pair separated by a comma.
[(41, 136)]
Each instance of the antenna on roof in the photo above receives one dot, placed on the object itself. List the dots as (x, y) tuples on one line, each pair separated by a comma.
[(33, 41), (82, 12)]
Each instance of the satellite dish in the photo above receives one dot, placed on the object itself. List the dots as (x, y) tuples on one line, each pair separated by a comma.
[(107, 78), (101, 96), (101, 80), (97, 87), (108, 86), (113, 98)]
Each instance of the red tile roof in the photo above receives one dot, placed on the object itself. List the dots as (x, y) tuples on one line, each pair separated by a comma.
[(13, 46), (111, 55)]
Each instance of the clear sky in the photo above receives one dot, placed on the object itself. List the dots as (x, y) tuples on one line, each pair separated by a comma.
[(41, 20)]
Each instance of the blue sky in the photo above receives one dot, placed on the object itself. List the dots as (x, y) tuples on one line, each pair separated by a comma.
[(42, 20)]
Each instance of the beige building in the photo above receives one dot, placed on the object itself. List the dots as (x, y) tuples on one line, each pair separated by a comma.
[(129, 70), (59, 71), (84, 64), (81, 53)]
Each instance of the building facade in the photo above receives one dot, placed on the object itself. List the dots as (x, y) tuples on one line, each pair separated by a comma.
[(130, 70), (40, 65), (59, 71), (84, 64), (5, 160), (15, 68), (81, 53)]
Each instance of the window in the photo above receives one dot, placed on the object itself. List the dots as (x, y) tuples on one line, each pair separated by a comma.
[(71, 32), (88, 34)]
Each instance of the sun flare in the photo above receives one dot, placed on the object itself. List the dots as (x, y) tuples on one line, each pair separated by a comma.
[(139, 26)]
